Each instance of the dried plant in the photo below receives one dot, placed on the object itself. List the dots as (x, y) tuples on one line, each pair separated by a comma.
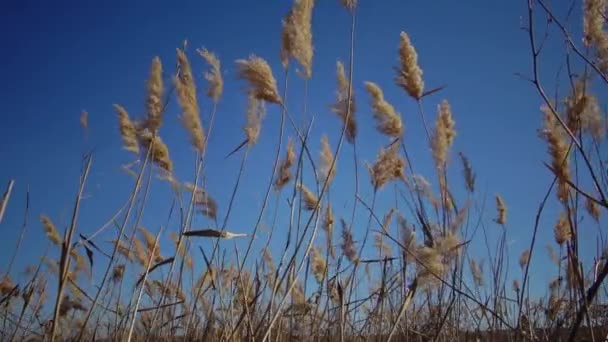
[(348, 244), (555, 136), (50, 230), (214, 76), (310, 199), (262, 84), (285, 175), (389, 166), (469, 174), (593, 209), (501, 208), (444, 134), (409, 74), (318, 264), (344, 108), (429, 267), (388, 121), (154, 105), (186, 95), (128, 130), (524, 259), (562, 230), (593, 28), (476, 272), (349, 4), (327, 158), (160, 151), (296, 38), (255, 114)]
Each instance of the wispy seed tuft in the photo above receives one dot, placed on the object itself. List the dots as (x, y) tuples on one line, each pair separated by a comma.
[(296, 37), (186, 95), (344, 108), (262, 84), (388, 121), (409, 75), (214, 78)]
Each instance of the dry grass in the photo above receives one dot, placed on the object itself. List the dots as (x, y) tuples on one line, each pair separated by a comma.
[(399, 275)]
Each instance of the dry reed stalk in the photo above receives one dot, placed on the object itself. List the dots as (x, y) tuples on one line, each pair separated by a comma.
[(214, 76), (296, 38), (388, 121), (342, 107), (409, 74), (5, 198), (186, 95)]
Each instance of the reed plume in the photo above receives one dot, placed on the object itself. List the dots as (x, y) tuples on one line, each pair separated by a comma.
[(556, 139), (310, 199), (409, 74), (389, 166), (444, 134), (318, 264), (501, 208), (214, 78), (561, 231), (258, 74), (255, 114), (296, 38), (348, 244), (327, 158), (160, 151), (186, 95), (154, 105), (50, 230), (388, 121), (128, 131), (285, 175), (342, 107)]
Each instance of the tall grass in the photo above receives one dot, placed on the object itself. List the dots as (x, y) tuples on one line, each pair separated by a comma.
[(312, 278)]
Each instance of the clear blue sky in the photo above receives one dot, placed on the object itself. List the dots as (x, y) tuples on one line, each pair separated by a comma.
[(64, 57)]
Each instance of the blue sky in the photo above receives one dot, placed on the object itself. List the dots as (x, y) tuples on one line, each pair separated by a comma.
[(68, 56)]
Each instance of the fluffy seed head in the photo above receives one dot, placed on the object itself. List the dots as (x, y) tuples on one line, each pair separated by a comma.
[(348, 244), (476, 272), (285, 174), (502, 210), (262, 84), (296, 39), (310, 200), (429, 266), (444, 134), (118, 272), (409, 75), (327, 157), (556, 139), (160, 151), (128, 131), (349, 4), (469, 174), (593, 209), (524, 259), (389, 166), (154, 106), (255, 114), (388, 121), (561, 231), (318, 265), (214, 78), (84, 120), (186, 95), (50, 230), (344, 108)]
